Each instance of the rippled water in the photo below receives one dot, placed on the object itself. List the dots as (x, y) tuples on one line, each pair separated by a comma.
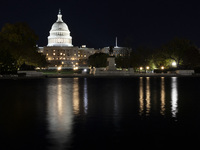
[(100, 113)]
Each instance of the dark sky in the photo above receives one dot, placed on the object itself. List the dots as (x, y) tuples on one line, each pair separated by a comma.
[(96, 23)]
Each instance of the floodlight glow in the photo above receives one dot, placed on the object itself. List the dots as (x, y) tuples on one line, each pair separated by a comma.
[(59, 68), (75, 68), (174, 64)]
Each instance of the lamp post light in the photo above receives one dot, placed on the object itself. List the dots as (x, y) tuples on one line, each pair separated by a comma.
[(162, 68), (174, 64), (147, 68), (141, 69), (59, 69)]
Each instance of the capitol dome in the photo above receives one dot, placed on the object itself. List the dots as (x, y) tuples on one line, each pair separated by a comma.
[(59, 33)]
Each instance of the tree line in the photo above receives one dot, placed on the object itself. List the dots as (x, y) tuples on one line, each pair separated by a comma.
[(18, 48), (182, 52)]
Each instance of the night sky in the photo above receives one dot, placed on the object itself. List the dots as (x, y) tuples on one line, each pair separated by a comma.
[(96, 23)]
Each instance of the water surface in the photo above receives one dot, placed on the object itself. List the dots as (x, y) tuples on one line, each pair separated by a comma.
[(100, 113)]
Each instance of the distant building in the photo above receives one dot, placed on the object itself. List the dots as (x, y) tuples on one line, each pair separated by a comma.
[(60, 51), (117, 51)]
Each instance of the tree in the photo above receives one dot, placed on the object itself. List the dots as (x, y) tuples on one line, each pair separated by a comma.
[(123, 61), (7, 63), (176, 50), (191, 58), (159, 60), (142, 56), (98, 60), (19, 42)]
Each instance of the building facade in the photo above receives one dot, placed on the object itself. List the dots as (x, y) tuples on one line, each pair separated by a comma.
[(60, 52), (67, 56), (117, 51)]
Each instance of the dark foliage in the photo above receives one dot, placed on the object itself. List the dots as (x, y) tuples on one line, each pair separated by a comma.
[(98, 60)]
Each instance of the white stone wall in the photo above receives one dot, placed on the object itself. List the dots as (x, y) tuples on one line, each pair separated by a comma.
[(185, 72)]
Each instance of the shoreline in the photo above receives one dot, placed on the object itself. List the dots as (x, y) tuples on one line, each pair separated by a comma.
[(14, 77)]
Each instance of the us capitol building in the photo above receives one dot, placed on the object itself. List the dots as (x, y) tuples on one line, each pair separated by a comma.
[(60, 51)]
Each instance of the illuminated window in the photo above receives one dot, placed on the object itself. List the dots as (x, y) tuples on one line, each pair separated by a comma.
[(60, 53), (84, 55), (49, 58), (78, 55), (74, 54), (47, 54), (54, 54)]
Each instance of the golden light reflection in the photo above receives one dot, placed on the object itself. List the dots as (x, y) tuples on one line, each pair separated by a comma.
[(162, 96), (148, 94), (144, 97), (59, 98), (141, 98), (76, 99), (59, 112), (174, 97)]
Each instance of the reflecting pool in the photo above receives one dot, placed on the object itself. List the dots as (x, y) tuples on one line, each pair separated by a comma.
[(100, 113)]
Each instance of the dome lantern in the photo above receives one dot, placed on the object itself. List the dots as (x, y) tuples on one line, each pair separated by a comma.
[(59, 17)]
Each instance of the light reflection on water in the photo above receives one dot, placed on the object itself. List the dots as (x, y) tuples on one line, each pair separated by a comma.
[(174, 96), (76, 100), (145, 98), (162, 96), (85, 96), (65, 102), (91, 113), (141, 96), (148, 96), (60, 112)]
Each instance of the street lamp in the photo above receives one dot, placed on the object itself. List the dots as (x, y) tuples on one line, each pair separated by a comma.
[(162, 67), (75, 68), (174, 64), (147, 68), (59, 68), (141, 69)]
